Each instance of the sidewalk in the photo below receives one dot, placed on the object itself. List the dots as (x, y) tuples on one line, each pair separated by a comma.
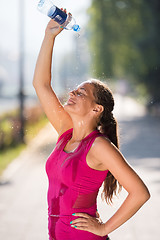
[(23, 186), (23, 191)]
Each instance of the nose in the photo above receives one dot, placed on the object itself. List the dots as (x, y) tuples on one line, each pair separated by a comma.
[(72, 93)]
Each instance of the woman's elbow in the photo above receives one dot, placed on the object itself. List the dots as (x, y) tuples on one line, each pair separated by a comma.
[(141, 196), (145, 195), (36, 84)]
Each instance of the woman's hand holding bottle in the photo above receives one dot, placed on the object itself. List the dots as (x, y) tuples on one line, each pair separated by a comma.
[(53, 28)]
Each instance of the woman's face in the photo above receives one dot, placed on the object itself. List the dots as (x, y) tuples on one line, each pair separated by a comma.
[(81, 100)]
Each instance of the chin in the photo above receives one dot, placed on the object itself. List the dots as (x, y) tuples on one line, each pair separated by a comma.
[(68, 107), (71, 109)]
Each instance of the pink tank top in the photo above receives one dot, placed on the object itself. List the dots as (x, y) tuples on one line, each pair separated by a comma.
[(73, 187)]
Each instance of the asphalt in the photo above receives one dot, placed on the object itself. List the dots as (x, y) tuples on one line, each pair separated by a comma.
[(23, 185)]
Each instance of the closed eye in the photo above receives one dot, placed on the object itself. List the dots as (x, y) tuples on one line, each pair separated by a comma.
[(80, 94)]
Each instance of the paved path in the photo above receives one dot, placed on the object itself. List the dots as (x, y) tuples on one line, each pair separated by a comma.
[(23, 190), (23, 186)]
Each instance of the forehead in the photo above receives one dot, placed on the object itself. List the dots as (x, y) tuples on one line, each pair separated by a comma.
[(88, 87)]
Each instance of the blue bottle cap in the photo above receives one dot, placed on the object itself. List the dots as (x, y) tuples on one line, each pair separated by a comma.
[(76, 28)]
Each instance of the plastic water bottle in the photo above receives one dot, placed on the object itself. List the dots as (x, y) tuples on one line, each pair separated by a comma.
[(67, 21)]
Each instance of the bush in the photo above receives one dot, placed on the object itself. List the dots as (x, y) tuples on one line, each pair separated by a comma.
[(10, 125)]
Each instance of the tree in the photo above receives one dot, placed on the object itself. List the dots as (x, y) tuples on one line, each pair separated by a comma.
[(124, 39), (101, 38), (149, 48)]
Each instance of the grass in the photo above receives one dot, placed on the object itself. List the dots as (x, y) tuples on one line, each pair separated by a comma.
[(31, 130), (8, 155)]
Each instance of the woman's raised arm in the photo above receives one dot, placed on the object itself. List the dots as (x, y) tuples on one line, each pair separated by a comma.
[(52, 107)]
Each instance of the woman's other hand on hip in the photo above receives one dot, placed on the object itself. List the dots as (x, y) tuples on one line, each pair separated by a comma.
[(88, 223)]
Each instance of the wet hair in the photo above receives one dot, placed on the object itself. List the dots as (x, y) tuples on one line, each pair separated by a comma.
[(107, 125)]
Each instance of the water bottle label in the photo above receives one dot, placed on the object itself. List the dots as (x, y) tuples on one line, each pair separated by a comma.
[(58, 15)]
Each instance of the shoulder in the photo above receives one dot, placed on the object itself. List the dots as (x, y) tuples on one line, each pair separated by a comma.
[(103, 143), (104, 151)]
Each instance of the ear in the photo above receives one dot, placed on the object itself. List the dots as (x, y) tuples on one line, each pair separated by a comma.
[(98, 108)]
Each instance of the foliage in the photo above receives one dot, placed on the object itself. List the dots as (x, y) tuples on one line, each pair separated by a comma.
[(10, 126), (124, 39), (10, 146), (7, 155)]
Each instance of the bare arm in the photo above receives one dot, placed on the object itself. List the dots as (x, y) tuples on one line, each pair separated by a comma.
[(111, 158), (108, 157), (54, 110), (138, 193)]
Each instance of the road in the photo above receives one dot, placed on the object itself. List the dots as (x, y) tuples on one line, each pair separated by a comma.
[(23, 186)]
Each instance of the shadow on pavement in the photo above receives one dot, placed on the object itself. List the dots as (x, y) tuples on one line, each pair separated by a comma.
[(140, 138)]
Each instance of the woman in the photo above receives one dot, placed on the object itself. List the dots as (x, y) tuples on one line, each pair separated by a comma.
[(85, 156)]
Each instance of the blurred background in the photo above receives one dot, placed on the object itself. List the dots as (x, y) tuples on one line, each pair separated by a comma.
[(118, 44)]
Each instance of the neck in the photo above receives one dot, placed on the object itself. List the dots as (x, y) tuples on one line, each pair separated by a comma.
[(81, 129)]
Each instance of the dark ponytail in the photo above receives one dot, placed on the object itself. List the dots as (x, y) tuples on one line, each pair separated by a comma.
[(107, 125)]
